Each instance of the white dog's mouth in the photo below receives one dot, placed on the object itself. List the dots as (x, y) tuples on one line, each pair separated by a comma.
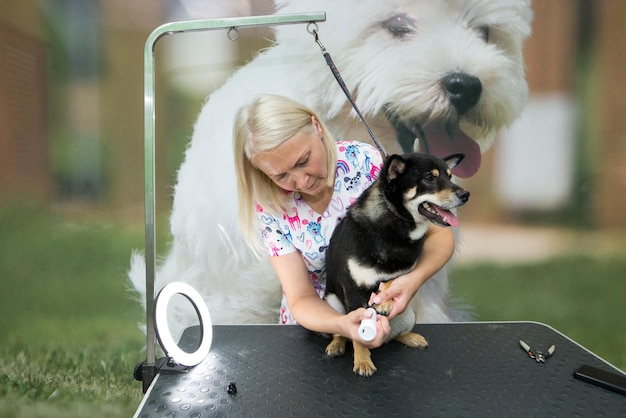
[(440, 139)]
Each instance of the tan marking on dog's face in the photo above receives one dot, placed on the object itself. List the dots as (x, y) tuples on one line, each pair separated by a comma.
[(435, 172), (410, 194), (445, 198)]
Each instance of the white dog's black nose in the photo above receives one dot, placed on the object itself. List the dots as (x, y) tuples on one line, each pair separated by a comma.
[(463, 90)]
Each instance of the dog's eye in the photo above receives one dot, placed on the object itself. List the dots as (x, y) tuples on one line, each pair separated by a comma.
[(483, 32), (400, 25), (429, 178)]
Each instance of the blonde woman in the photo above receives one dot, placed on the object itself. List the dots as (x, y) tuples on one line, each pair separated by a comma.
[(295, 183)]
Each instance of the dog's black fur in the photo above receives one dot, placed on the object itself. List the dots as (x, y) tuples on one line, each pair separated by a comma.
[(382, 237)]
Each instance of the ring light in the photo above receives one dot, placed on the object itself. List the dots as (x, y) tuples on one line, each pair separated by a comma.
[(169, 346)]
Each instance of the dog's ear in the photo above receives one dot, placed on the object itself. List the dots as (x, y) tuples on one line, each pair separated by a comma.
[(453, 160), (395, 166)]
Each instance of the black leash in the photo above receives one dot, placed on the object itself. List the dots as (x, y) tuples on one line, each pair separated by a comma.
[(312, 29)]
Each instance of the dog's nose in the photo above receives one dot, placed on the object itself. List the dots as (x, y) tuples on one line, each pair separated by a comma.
[(463, 195), (463, 90)]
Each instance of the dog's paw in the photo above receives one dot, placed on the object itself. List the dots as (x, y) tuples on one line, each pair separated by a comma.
[(412, 339), (364, 368), (363, 365), (337, 347), (383, 308)]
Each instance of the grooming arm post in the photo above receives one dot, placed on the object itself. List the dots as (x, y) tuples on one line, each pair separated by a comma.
[(148, 368)]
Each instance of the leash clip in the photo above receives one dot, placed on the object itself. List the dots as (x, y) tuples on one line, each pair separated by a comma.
[(312, 29)]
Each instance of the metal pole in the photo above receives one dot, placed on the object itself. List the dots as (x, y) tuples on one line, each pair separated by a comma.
[(149, 368)]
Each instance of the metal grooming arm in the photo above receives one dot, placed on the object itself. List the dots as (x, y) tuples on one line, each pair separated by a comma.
[(147, 370)]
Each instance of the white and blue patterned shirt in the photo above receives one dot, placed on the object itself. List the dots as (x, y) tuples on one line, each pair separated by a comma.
[(302, 229)]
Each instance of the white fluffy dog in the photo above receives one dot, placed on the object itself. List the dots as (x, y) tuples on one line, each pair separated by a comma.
[(441, 76)]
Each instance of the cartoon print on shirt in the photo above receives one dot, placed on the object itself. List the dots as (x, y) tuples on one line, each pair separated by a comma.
[(282, 240), (294, 221), (274, 249), (342, 167), (315, 230), (352, 154), (352, 181), (285, 237)]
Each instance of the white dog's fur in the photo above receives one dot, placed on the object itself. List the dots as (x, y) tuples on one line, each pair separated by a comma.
[(402, 73)]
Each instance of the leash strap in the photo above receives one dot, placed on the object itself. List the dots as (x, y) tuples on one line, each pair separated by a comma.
[(313, 30)]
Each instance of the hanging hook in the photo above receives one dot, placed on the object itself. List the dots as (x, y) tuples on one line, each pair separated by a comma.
[(233, 33), (312, 29)]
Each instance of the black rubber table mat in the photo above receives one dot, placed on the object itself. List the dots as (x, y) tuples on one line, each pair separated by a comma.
[(469, 369)]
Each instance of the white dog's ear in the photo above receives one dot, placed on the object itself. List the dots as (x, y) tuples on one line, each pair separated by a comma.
[(453, 160)]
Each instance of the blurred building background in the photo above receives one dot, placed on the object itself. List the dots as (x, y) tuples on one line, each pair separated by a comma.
[(71, 108)]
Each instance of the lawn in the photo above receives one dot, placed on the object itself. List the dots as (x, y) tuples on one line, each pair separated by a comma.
[(582, 297), (69, 325)]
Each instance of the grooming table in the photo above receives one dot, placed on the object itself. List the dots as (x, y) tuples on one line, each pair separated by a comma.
[(469, 369)]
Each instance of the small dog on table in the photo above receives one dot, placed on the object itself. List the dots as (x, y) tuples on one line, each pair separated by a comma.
[(382, 237)]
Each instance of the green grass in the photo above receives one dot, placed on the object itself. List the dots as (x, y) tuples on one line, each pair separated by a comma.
[(69, 325), (581, 297)]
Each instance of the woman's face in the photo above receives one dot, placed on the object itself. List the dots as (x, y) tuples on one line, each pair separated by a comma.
[(298, 164)]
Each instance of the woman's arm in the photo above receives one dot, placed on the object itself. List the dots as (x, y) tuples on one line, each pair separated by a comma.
[(314, 313), (437, 251)]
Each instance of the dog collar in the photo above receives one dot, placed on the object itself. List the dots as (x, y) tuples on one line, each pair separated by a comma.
[(393, 210)]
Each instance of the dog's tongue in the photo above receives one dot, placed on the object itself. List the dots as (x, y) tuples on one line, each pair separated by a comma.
[(443, 141), (447, 215)]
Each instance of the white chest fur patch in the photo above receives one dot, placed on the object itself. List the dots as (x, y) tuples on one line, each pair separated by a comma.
[(365, 276), (419, 231)]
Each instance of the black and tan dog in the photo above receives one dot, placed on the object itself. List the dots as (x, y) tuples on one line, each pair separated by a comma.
[(381, 238)]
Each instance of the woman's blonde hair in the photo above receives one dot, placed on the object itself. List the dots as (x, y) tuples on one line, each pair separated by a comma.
[(265, 123)]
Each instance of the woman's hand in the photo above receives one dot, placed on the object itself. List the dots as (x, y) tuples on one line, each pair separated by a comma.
[(438, 249), (354, 322), (400, 291)]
